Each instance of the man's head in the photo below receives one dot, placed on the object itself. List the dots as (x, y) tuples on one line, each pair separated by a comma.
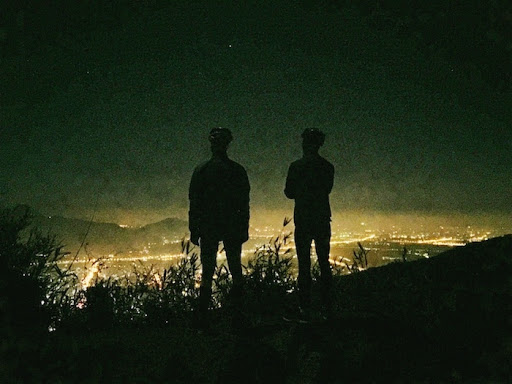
[(312, 140), (219, 139)]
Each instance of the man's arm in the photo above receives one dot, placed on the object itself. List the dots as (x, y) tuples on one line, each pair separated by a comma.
[(194, 213), (290, 189), (330, 179), (246, 194), (244, 205)]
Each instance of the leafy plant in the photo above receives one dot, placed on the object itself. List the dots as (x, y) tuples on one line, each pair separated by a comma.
[(34, 288), (359, 259), (269, 277)]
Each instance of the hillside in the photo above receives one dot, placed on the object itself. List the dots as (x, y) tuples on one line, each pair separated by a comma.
[(450, 315), (444, 319)]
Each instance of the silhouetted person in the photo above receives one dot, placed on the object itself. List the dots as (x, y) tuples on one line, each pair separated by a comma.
[(309, 182), (219, 211)]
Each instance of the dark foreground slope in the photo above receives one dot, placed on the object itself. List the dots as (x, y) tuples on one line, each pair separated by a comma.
[(445, 319)]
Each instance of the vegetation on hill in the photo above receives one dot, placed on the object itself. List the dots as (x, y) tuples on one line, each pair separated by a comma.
[(444, 319)]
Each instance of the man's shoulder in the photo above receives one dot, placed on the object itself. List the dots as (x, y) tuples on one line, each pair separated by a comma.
[(201, 166), (237, 166), (321, 161), (214, 164), (297, 163), (327, 163)]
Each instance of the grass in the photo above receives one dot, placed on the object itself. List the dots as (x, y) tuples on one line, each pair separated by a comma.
[(418, 321)]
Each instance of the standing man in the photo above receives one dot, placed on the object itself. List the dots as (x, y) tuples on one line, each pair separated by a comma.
[(309, 183), (219, 211)]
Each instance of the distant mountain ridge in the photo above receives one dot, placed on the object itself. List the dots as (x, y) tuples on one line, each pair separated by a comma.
[(109, 238)]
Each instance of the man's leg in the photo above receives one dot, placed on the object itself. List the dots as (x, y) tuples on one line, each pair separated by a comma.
[(233, 255), (323, 247), (303, 248), (209, 249)]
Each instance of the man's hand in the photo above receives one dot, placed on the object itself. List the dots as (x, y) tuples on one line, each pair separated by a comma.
[(194, 238), (245, 236)]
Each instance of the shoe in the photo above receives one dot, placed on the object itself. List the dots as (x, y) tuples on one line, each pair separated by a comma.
[(304, 315)]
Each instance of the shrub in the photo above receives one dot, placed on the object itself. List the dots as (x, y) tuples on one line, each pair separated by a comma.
[(269, 278), (146, 295), (33, 288)]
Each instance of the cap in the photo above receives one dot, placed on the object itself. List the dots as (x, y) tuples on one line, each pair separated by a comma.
[(313, 136), (220, 135)]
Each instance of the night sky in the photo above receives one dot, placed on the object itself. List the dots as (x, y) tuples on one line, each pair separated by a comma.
[(106, 108)]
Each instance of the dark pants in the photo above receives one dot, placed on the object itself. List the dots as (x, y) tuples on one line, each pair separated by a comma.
[(209, 248), (304, 235)]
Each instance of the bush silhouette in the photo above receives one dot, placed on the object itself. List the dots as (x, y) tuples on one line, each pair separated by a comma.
[(33, 288)]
